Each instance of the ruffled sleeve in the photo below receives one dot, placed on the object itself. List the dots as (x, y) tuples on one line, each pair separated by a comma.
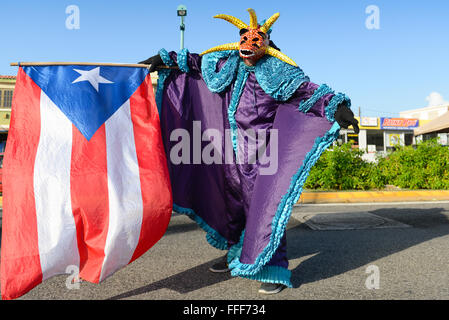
[(185, 60), (320, 100)]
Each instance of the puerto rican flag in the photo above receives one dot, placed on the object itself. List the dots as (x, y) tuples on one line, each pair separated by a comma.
[(85, 175)]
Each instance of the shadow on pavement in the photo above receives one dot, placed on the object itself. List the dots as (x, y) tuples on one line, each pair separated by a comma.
[(331, 252), (184, 282), (184, 227), (336, 252)]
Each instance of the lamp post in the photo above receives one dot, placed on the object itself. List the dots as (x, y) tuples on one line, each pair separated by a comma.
[(182, 12)]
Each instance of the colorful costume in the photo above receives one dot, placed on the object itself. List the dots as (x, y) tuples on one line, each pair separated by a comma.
[(244, 206)]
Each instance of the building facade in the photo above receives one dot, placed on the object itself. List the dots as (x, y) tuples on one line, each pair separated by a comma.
[(437, 117), (428, 113), (380, 135), (7, 84)]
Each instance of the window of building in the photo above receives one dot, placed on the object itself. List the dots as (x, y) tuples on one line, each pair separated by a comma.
[(7, 98), (341, 139), (429, 136), (408, 139), (1, 97), (354, 138), (375, 137)]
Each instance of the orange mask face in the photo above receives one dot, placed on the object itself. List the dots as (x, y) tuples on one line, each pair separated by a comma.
[(253, 44)]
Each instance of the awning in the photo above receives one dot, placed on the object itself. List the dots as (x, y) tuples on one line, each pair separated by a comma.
[(440, 124)]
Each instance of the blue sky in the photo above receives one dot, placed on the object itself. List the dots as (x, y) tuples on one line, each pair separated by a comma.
[(384, 70)]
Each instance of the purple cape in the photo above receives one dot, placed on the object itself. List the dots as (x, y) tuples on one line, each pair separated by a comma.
[(240, 143)]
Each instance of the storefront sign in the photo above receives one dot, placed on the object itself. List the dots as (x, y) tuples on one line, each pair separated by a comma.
[(368, 121), (394, 139), (371, 148), (398, 123)]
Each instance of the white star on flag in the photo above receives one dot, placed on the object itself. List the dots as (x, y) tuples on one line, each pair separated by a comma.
[(93, 76)]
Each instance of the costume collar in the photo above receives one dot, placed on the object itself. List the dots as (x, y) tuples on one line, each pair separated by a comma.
[(277, 78)]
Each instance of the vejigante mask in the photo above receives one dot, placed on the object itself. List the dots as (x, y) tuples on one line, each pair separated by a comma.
[(254, 39)]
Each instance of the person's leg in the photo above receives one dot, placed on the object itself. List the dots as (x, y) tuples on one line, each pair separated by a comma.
[(280, 256), (237, 202), (270, 285)]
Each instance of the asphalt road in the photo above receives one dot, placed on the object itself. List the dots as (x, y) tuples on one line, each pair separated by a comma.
[(407, 262)]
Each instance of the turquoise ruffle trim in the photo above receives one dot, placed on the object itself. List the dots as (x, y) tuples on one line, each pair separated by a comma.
[(320, 92), (212, 236), (281, 87), (239, 85), (162, 76), (336, 100), (286, 81), (271, 274), (284, 209), (182, 60), (166, 58), (218, 81)]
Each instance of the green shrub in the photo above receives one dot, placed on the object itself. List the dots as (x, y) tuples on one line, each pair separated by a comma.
[(425, 166), (343, 168)]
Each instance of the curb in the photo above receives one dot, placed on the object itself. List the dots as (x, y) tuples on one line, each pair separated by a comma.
[(372, 196), (315, 197)]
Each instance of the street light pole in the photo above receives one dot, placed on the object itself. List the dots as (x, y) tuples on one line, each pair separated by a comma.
[(182, 12), (182, 27)]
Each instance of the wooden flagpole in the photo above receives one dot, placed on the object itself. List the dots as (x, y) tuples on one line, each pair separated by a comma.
[(133, 65)]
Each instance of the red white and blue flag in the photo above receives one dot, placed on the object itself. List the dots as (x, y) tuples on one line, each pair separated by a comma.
[(85, 175)]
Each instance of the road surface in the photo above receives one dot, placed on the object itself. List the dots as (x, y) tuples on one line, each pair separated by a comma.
[(369, 251)]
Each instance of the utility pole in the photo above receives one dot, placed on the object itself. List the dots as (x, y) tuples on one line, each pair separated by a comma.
[(182, 12)]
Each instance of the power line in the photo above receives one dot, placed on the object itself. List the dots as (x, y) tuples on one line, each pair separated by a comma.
[(380, 112)]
